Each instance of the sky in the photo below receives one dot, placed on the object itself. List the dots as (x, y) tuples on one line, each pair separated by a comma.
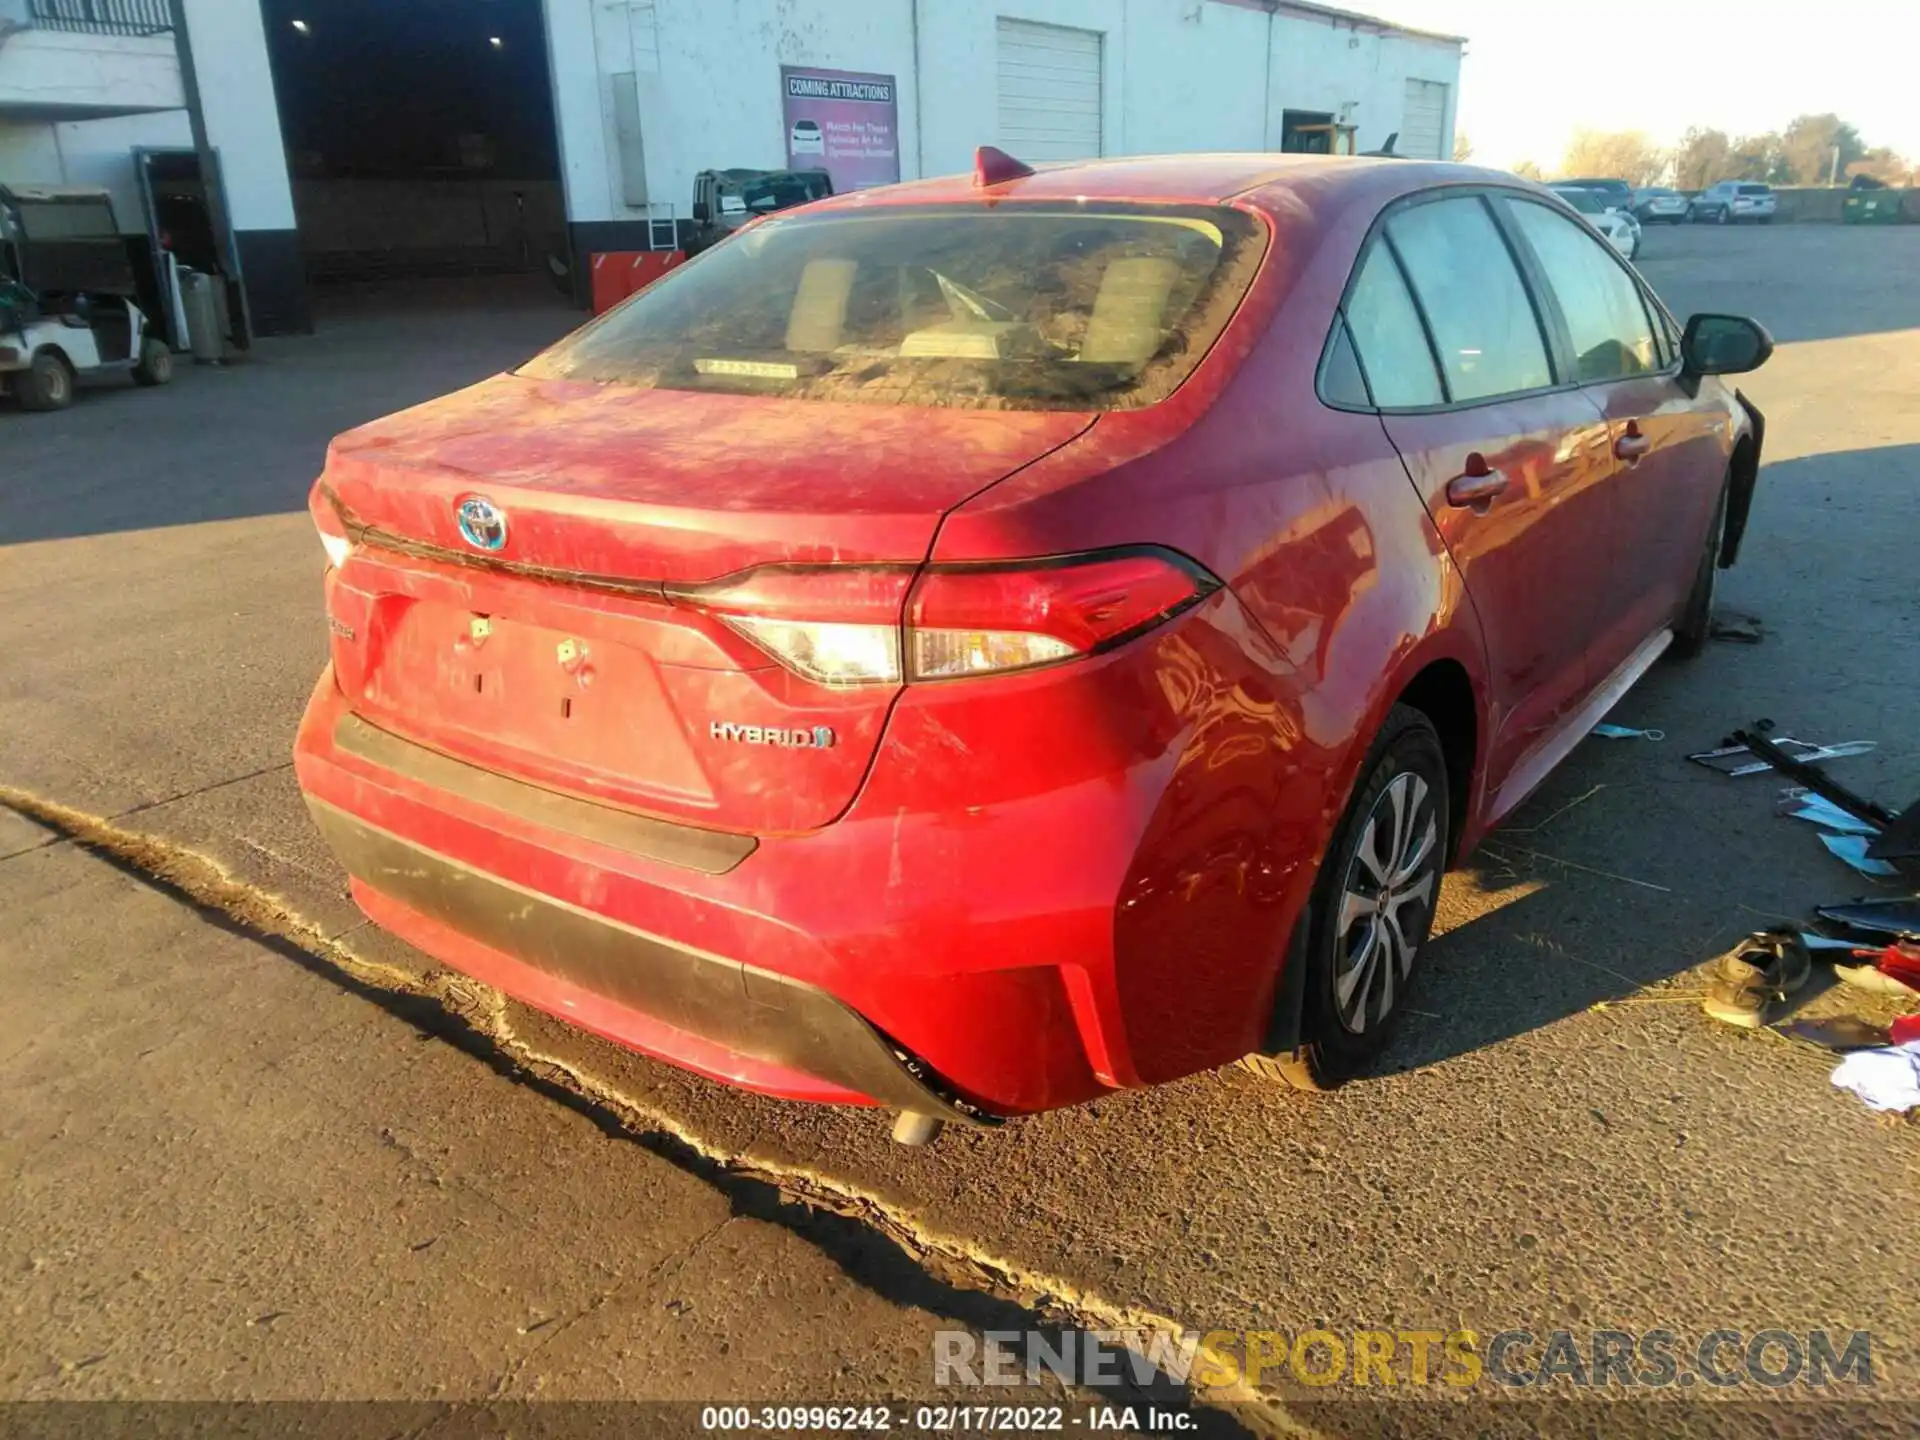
[(1535, 70)]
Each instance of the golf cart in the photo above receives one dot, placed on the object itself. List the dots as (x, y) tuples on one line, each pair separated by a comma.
[(724, 200), (69, 302)]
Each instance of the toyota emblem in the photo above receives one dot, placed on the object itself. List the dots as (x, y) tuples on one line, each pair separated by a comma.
[(483, 524)]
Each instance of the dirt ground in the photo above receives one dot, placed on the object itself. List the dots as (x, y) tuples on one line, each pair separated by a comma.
[(271, 1157)]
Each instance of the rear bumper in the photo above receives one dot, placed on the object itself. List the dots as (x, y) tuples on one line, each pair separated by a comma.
[(706, 1012)]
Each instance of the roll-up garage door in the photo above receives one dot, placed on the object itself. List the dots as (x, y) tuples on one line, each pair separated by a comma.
[(1425, 116), (1050, 94)]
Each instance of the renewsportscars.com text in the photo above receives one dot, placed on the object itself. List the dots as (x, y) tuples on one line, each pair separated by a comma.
[(1516, 1359)]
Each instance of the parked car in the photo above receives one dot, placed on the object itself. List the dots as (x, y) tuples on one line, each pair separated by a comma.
[(70, 301), (1619, 226), (1617, 194), (976, 645), (1734, 200), (725, 200), (1656, 203)]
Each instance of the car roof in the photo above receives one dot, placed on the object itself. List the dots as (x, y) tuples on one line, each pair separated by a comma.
[(1262, 180)]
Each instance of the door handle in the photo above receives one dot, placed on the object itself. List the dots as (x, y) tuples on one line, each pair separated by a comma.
[(1477, 484), (1632, 444)]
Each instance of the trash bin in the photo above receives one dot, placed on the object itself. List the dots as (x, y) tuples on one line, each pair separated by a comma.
[(1872, 207), (200, 298)]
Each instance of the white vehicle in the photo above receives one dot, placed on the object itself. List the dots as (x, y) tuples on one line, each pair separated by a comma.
[(1619, 228), (1658, 202), (1734, 200), (807, 139), (68, 302)]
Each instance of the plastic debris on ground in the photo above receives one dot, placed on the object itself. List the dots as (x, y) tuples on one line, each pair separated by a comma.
[(1853, 850), (1870, 977), (1626, 732), (1887, 915), (1804, 805), (1887, 1079), (1824, 942), (1737, 626)]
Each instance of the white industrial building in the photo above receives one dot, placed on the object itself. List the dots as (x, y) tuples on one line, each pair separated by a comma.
[(637, 96)]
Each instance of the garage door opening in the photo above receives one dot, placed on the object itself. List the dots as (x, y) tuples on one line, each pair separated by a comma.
[(420, 138), (1424, 121)]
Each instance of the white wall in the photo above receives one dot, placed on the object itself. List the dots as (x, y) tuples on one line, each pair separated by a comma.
[(61, 68), (236, 92), (1196, 77), (92, 152), (708, 80), (243, 118), (1180, 75), (1331, 64), (29, 154)]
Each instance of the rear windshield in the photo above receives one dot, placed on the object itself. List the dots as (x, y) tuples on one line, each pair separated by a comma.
[(1022, 307), (1587, 202), (1756, 189), (776, 192)]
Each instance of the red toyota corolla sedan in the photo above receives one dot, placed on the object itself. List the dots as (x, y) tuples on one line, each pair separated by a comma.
[(973, 646)]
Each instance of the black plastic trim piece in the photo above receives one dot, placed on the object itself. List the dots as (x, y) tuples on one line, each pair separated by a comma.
[(1741, 483), (710, 852)]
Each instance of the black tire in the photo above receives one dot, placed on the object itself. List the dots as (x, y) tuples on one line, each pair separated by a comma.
[(1766, 219), (1695, 626), (155, 366), (1722, 216), (46, 383), (1334, 1049)]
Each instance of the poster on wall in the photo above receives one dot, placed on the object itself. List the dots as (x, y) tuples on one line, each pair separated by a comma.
[(843, 122)]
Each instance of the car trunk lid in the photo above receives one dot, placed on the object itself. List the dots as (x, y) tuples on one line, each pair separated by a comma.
[(577, 653)]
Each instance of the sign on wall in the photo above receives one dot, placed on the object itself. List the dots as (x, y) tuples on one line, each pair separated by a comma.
[(843, 122)]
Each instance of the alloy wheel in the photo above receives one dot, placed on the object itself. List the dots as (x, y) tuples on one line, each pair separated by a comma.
[(1385, 902)]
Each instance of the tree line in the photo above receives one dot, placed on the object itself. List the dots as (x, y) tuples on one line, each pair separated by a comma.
[(1811, 150)]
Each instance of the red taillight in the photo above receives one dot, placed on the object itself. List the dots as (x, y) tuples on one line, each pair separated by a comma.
[(1079, 605), (843, 625)]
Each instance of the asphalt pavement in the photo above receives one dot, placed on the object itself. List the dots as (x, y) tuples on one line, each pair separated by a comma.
[(223, 1081)]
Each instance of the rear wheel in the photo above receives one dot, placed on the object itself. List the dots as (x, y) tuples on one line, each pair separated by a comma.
[(1372, 908), (1722, 216), (46, 383), (1695, 625), (156, 363)]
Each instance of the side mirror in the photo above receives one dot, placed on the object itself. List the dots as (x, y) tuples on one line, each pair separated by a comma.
[(1724, 345)]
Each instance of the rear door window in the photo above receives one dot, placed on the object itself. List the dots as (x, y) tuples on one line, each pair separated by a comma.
[(1484, 329), (1607, 319)]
